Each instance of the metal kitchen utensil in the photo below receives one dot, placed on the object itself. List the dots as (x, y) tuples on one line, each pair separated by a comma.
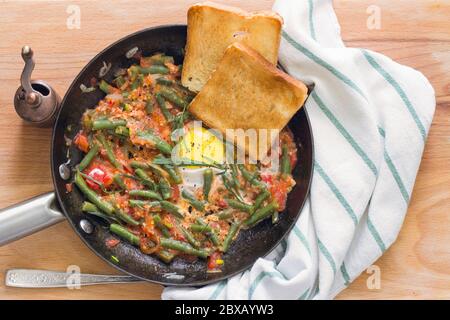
[(31, 278), (35, 101), (30, 216)]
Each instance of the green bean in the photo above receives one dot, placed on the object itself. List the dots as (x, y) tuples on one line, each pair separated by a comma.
[(162, 105), (164, 188), (234, 228), (88, 157), (251, 178), (88, 207), (125, 217), (200, 228), (142, 203), (171, 208), (159, 59), (211, 233), (133, 71), (124, 233), (179, 120), (197, 204), (285, 161), (92, 196), (234, 176), (147, 166), (261, 214), (159, 143), (184, 247), (158, 170), (139, 165), (189, 236), (226, 214), (122, 131), (153, 70), (173, 97), (263, 195), (109, 152), (102, 124), (136, 82), (145, 179), (149, 105), (161, 226), (164, 81), (208, 177), (119, 181), (119, 81), (236, 204), (165, 256), (230, 188), (145, 194), (170, 169), (105, 87), (173, 174)]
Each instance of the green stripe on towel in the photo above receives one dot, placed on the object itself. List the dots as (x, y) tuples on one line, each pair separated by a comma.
[(324, 64), (345, 133), (327, 255), (376, 235), (345, 274), (218, 290), (260, 278), (336, 192), (302, 238), (399, 90), (304, 295), (311, 20), (397, 177)]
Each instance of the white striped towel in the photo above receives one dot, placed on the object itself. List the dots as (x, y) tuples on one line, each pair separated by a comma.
[(370, 118)]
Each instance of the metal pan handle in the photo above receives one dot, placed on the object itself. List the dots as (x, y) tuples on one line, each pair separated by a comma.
[(28, 217)]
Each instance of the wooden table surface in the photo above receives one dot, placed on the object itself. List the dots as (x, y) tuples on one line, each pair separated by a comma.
[(413, 32)]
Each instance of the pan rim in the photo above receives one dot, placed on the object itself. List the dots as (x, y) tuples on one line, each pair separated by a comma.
[(118, 267)]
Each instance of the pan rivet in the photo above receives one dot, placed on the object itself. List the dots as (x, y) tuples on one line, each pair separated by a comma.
[(64, 171), (86, 226)]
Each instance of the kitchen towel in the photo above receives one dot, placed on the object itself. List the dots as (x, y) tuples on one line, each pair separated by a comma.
[(370, 117)]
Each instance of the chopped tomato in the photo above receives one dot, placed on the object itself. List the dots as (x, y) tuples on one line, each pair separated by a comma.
[(69, 187), (81, 141), (100, 176), (215, 261), (267, 178), (110, 243), (175, 192), (222, 203), (279, 188)]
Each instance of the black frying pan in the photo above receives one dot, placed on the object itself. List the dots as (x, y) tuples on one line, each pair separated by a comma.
[(250, 244)]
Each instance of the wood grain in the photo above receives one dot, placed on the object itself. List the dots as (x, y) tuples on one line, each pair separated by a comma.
[(413, 32)]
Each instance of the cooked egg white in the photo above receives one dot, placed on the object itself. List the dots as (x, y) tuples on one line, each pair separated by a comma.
[(198, 145)]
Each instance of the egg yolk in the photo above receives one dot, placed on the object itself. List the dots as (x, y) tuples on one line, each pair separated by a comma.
[(200, 145)]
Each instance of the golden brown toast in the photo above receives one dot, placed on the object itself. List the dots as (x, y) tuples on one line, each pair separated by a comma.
[(213, 27), (248, 92)]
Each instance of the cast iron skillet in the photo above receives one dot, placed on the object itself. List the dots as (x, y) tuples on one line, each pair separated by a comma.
[(250, 244)]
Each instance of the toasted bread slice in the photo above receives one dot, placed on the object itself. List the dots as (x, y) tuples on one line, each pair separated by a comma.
[(248, 92), (213, 27)]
